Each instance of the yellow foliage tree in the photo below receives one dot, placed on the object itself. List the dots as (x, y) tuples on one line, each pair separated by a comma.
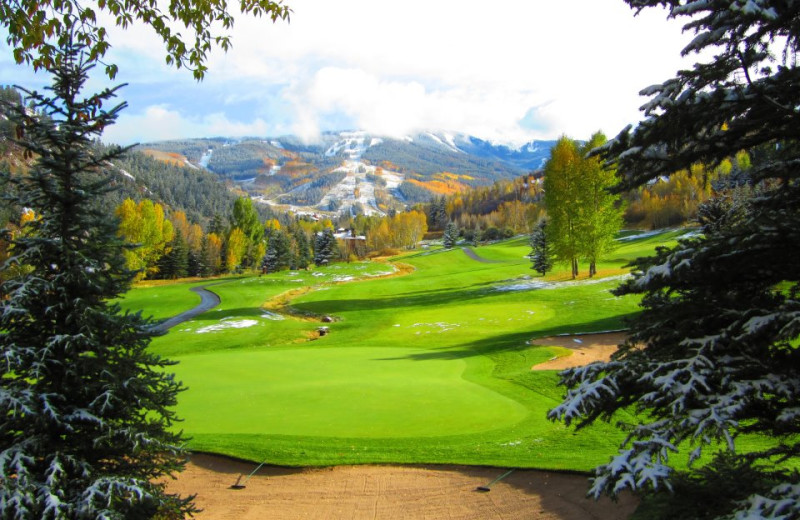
[(144, 224), (237, 245)]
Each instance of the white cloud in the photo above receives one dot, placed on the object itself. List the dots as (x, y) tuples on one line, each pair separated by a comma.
[(505, 70), (158, 122)]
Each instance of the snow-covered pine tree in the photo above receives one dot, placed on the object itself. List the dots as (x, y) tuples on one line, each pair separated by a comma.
[(269, 264), (325, 247), (279, 253), (450, 236), (713, 355), (86, 411), (541, 250)]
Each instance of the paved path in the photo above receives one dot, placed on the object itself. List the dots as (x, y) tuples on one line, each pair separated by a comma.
[(208, 300), (472, 254)]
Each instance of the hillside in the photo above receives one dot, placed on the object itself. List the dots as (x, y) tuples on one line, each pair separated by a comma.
[(354, 172)]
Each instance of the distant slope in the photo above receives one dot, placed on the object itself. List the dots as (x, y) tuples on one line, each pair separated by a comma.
[(196, 191), (355, 172)]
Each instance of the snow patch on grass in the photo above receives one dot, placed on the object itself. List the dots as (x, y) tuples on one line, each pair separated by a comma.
[(443, 326), (272, 316), (530, 285), (222, 325)]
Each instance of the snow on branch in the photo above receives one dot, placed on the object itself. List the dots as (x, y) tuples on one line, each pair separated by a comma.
[(781, 503)]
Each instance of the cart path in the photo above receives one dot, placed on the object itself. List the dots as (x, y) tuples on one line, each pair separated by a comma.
[(208, 300), (472, 254)]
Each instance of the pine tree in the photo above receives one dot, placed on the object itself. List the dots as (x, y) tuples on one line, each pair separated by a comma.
[(325, 247), (713, 355), (541, 249), (302, 250), (450, 235), (175, 263), (85, 409), (279, 253)]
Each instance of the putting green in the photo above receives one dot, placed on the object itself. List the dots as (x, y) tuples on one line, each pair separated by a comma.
[(355, 392)]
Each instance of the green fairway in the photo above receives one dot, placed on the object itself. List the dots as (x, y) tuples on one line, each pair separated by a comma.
[(427, 367), (312, 392)]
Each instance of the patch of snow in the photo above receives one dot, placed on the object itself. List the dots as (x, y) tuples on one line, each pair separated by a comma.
[(450, 144), (643, 234), (382, 273), (540, 284), (206, 157), (343, 278), (126, 174), (443, 326), (272, 316), (240, 324)]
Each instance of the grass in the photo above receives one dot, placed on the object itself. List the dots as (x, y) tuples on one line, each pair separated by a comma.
[(431, 367)]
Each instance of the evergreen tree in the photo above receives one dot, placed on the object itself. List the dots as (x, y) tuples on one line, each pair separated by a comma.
[(175, 263), (541, 249), (325, 247), (85, 409), (302, 250), (713, 355), (279, 253), (438, 212), (204, 268), (450, 235)]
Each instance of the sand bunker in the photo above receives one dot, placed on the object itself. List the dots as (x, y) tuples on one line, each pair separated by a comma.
[(586, 348), (389, 492)]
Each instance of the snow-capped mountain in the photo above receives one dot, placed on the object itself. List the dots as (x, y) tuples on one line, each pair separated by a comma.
[(358, 172)]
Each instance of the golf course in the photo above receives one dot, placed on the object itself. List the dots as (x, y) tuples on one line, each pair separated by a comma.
[(426, 358)]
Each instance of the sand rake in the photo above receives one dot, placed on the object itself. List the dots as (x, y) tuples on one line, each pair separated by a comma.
[(488, 487), (241, 484)]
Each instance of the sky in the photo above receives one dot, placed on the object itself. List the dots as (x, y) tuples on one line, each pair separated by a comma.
[(508, 71)]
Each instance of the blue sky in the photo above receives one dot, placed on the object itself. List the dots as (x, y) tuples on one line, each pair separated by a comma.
[(507, 70)]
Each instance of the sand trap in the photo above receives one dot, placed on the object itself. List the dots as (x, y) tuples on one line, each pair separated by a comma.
[(586, 348), (389, 492)]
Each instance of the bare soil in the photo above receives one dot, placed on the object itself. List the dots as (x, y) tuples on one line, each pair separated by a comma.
[(389, 492)]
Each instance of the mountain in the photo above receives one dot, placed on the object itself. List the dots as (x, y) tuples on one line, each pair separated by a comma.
[(354, 172)]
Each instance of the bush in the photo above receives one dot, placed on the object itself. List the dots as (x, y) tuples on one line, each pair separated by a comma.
[(492, 233)]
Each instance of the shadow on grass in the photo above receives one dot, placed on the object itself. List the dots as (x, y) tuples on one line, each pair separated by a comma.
[(517, 341), (424, 298)]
